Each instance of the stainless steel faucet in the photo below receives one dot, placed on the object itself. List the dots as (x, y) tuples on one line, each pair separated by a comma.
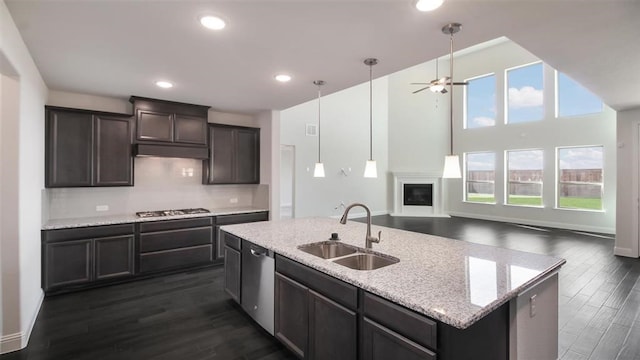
[(369, 240)]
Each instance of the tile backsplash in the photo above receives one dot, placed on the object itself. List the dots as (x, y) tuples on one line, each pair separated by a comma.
[(160, 183)]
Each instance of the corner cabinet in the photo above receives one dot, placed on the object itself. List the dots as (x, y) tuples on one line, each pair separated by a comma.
[(86, 148), (170, 123), (234, 155), (79, 257)]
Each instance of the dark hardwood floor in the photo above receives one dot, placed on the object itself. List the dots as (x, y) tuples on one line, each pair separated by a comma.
[(188, 316)]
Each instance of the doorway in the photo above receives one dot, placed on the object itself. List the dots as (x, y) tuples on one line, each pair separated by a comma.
[(287, 181)]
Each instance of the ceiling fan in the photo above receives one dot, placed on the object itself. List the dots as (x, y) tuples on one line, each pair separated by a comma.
[(438, 85)]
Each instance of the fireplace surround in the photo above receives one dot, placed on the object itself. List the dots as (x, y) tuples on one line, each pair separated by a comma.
[(417, 194)]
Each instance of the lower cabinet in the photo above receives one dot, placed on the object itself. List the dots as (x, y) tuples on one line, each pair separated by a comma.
[(75, 258), (232, 265), (230, 220), (381, 343), (314, 315)]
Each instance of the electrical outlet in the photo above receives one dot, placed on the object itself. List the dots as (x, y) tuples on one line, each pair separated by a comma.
[(532, 306), (102, 207), (233, 200)]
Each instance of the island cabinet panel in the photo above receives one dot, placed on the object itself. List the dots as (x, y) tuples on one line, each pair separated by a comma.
[(315, 313), (381, 343), (333, 331), (84, 257), (170, 123), (87, 148), (292, 315), (234, 155), (232, 272), (230, 220)]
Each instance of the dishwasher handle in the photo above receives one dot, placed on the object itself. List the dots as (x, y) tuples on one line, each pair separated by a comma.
[(258, 252)]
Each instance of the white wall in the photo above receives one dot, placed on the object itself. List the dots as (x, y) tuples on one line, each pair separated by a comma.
[(627, 185), (345, 145), (23, 150)]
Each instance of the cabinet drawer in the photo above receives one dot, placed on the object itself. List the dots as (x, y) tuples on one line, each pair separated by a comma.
[(175, 258), (231, 241), (416, 327), (339, 291), (242, 218), (87, 232), (175, 224), (175, 239)]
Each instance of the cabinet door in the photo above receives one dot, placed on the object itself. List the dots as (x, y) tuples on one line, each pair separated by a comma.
[(232, 274), (221, 159), (113, 163), (380, 343), (190, 129), (332, 330), (154, 126), (68, 149), (113, 257), (68, 263), (292, 315), (248, 156)]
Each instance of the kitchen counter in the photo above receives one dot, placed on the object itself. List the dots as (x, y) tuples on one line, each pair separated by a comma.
[(132, 218), (452, 281)]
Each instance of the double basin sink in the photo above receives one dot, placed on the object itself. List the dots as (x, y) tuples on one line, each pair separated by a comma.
[(347, 255)]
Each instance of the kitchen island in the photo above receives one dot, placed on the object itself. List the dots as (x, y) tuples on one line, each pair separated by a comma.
[(467, 289)]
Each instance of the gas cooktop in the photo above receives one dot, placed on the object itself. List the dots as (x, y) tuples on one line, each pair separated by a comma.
[(146, 214)]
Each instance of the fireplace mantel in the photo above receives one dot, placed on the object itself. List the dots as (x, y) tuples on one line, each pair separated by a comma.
[(402, 178)]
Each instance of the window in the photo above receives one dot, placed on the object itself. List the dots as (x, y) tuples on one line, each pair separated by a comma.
[(480, 177), (524, 182), (480, 102), (524, 94), (573, 99), (580, 177)]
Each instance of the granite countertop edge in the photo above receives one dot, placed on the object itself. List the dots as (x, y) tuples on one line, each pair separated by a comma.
[(55, 224)]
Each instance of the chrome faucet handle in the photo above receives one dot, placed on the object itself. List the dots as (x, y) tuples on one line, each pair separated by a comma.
[(379, 236), (375, 239)]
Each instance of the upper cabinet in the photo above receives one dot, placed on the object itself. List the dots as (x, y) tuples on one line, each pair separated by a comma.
[(234, 155), (86, 148), (170, 123)]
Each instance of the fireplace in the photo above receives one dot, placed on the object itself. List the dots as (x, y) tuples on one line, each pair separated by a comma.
[(417, 194)]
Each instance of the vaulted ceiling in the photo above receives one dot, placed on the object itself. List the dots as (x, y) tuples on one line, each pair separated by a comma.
[(120, 48)]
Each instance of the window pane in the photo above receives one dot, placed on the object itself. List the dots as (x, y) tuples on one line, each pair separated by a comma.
[(525, 177), (480, 177), (575, 100), (524, 95), (580, 178), (481, 102)]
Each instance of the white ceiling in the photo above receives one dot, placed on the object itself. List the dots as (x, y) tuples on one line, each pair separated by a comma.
[(120, 48)]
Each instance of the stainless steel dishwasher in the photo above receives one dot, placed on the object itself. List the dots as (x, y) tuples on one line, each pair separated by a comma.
[(258, 275)]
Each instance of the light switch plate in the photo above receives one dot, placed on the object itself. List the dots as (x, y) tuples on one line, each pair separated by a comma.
[(102, 207), (233, 200)]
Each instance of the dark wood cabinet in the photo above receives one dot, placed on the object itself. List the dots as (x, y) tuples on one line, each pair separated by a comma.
[(381, 343), (333, 333), (292, 315), (170, 123), (230, 220), (85, 148), (232, 272), (81, 257), (234, 155)]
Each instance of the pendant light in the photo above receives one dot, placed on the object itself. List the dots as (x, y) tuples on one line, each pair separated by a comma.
[(451, 161), (318, 171), (370, 169)]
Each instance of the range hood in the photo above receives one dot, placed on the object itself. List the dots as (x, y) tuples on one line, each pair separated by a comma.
[(174, 151)]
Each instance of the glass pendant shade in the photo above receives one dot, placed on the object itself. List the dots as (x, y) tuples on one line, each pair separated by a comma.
[(318, 171), (371, 170), (451, 167)]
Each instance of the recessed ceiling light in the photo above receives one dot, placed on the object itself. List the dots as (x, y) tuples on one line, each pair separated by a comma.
[(428, 5), (212, 22), (164, 84), (283, 77)]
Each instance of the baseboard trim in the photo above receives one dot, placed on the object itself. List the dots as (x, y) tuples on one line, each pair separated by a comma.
[(20, 340), (421, 216), (551, 224), (624, 252)]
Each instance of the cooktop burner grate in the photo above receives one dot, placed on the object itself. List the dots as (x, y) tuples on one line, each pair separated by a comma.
[(171, 212)]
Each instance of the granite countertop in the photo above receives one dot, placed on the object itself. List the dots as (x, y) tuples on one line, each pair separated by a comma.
[(452, 281), (132, 218)]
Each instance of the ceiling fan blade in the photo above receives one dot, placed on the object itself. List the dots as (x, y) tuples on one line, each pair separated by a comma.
[(424, 88), (460, 83)]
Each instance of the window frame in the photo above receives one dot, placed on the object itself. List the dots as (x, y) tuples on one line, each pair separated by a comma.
[(466, 180), (506, 93), (559, 183), (508, 181), (556, 77)]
